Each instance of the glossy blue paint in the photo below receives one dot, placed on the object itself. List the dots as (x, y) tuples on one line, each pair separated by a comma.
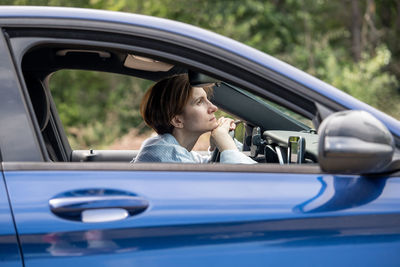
[(203, 36), (9, 251), (342, 193), (213, 219)]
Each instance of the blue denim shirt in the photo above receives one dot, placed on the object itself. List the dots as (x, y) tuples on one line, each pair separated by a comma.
[(165, 148)]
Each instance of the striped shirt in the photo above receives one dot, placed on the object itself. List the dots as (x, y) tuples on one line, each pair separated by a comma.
[(165, 148)]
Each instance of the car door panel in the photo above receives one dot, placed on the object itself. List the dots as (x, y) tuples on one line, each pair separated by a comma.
[(211, 218), (9, 251)]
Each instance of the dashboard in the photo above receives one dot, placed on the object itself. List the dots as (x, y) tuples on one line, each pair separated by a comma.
[(284, 147)]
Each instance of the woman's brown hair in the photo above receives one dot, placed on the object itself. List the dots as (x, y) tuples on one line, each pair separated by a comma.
[(166, 99)]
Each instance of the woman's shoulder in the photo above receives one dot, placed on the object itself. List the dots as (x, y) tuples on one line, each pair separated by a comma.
[(163, 148), (161, 140)]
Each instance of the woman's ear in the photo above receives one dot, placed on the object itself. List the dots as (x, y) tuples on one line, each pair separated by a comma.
[(177, 121)]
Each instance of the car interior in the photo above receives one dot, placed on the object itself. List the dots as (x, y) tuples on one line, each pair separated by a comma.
[(270, 135)]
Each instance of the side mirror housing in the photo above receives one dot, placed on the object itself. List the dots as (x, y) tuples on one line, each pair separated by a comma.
[(354, 142)]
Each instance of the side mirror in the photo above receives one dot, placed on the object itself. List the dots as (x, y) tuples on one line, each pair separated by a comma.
[(354, 142)]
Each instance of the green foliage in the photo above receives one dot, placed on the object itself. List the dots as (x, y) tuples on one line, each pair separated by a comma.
[(96, 108), (365, 80)]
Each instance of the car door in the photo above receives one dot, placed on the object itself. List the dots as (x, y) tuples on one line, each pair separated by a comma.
[(83, 214), (193, 218), (10, 255)]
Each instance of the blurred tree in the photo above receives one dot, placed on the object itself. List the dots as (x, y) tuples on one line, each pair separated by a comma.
[(388, 27), (356, 30)]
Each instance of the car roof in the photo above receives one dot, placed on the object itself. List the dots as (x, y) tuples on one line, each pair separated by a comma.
[(16, 15)]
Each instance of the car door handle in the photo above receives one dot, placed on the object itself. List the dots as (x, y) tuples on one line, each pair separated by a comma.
[(97, 208)]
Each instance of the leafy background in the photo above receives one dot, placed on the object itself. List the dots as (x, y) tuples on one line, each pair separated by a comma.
[(351, 44)]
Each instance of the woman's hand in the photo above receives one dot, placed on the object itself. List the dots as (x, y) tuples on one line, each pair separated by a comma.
[(220, 135)]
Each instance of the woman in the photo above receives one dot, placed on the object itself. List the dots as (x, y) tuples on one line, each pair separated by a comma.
[(180, 113)]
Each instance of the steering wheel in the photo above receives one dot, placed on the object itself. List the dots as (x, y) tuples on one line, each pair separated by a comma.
[(216, 155)]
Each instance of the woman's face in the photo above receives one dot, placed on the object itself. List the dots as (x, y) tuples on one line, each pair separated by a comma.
[(198, 113)]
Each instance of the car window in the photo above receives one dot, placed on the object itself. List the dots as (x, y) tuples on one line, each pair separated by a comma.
[(96, 110), (100, 110), (290, 113), (293, 115)]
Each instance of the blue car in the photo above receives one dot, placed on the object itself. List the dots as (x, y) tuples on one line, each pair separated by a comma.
[(325, 191)]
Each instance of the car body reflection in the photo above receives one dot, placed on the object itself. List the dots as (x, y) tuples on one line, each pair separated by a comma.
[(339, 193)]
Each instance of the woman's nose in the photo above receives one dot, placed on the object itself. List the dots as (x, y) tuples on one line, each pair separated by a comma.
[(212, 108)]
